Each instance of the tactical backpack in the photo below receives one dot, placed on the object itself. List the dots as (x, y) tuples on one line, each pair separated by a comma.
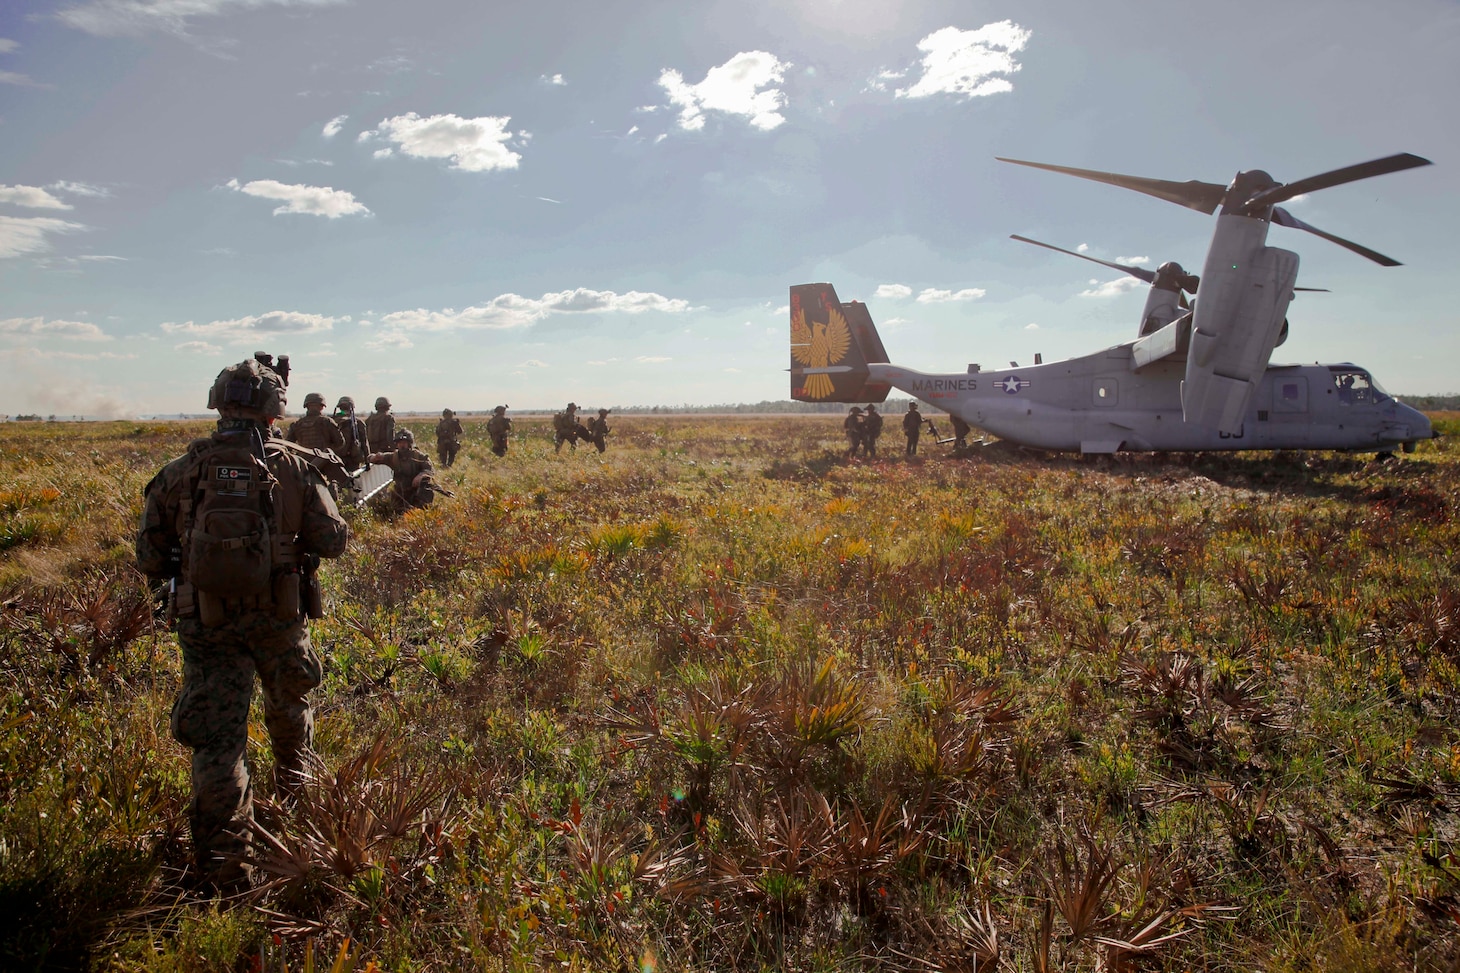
[(228, 542)]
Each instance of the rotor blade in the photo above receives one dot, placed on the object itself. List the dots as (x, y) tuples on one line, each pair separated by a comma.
[(1204, 197), (1314, 290), (1364, 170), (1140, 273), (1282, 217)]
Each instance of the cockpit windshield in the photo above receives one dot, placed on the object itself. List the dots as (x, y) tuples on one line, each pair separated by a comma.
[(1355, 387)]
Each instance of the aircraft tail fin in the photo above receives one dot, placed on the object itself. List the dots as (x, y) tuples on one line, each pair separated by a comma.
[(831, 345)]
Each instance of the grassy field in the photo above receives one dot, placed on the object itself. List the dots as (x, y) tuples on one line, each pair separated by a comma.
[(717, 700)]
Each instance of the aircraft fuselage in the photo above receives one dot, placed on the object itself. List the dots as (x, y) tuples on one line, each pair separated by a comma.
[(1101, 403)]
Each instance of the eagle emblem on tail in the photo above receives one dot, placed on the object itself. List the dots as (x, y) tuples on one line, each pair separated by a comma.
[(819, 346)]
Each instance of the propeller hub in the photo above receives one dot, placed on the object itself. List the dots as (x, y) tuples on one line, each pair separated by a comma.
[(1171, 276), (1245, 187)]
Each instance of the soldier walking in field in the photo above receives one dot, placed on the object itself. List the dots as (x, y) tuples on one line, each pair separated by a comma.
[(380, 427), (499, 427), (566, 428), (314, 429), (352, 433), (448, 437), (853, 426), (912, 427), (236, 527), (598, 430), (871, 429), (414, 484)]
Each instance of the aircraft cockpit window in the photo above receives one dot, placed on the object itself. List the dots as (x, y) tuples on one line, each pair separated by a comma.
[(1355, 388)]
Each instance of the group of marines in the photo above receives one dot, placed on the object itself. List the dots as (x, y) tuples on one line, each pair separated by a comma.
[(375, 440), (863, 427)]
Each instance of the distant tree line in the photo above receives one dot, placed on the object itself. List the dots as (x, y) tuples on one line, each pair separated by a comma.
[(1432, 403)]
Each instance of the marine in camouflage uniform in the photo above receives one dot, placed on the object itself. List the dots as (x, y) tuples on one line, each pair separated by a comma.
[(380, 427), (567, 428), (315, 429), (252, 636), (352, 433), (854, 427), (413, 483), (912, 427), (871, 430), (499, 427), (961, 430), (448, 437), (598, 430)]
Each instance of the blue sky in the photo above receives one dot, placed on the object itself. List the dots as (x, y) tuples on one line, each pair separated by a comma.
[(463, 204)]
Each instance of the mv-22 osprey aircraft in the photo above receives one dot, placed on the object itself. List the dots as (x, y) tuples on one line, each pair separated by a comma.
[(1195, 378)]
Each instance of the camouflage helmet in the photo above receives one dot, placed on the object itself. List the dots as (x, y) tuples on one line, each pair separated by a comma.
[(248, 390), (447, 413), (381, 404), (855, 410), (406, 435), (346, 404), (499, 410), (314, 398), (572, 407), (603, 412)]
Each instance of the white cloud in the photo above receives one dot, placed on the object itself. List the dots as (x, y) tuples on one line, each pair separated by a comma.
[(1031, 326), (310, 200), (41, 328), (556, 79), (7, 45), (391, 64), (732, 88), (79, 188), (514, 311), (879, 81), (472, 144), (390, 341), (28, 234), (100, 257), (333, 126), (653, 359), (255, 327), (932, 295), (114, 17), (968, 62), (21, 80), (199, 348), (1133, 261), (1083, 248), (892, 290), (532, 363), (33, 197), (1111, 288), (384, 153)]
